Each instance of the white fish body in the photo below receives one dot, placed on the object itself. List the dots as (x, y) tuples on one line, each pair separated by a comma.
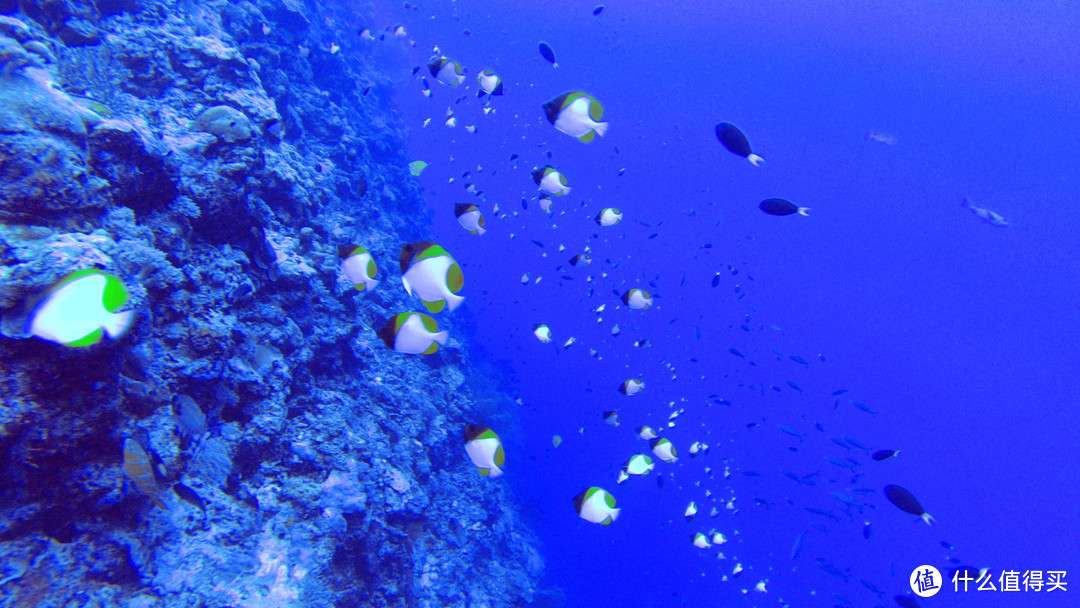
[(472, 221), (76, 310), (427, 279), (482, 454), (639, 300), (665, 451), (574, 119), (542, 333), (554, 184), (609, 217), (413, 338), (595, 509), (358, 269)]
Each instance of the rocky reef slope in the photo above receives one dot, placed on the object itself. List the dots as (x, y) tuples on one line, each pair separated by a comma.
[(214, 155)]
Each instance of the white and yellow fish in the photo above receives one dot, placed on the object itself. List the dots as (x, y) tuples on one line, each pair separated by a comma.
[(432, 274), (542, 332), (576, 114), (632, 387), (597, 506), (485, 450), (581, 259), (550, 181), (447, 71), (81, 308), (701, 541), (663, 450), (358, 265), (470, 217), (691, 511), (608, 217), (490, 84), (637, 299), (639, 464), (647, 432), (412, 333)]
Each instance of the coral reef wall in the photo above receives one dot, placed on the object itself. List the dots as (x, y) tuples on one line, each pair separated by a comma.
[(214, 155)]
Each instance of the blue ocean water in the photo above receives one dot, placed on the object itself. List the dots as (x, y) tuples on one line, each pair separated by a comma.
[(961, 335)]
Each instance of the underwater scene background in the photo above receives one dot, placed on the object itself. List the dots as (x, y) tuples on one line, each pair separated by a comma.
[(203, 184)]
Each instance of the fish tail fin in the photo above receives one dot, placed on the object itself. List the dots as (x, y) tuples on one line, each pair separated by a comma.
[(755, 160), (440, 337), (453, 301), (804, 211), (600, 128), (117, 323), (494, 472), (615, 514), (480, 230), (928, 519)]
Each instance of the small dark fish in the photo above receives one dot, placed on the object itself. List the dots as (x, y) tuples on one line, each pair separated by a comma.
[(751, 474), (839, 392), (840, 442), (855, 442), (751, 425), (660, 481), (792, 476), (524, 204), (866, 532), (513, 157), (716, 279), (881, 455), (905, 602), (779, 206), (654, 235), (548, 54), (188, 495), (733, 139), (621, 172), (798, 359), (871, 587), (823, 512), (819, 528), (840, 463), (599, 8), (797, 547), (862, 406), (906, 502), (706, 246), (736, 352), (361, 185), (537, 243), (948, 545), (818, 426), (831, 569), (794, 386)]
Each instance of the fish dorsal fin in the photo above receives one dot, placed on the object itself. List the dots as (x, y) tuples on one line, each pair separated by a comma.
[(455, 280), (596, 111)]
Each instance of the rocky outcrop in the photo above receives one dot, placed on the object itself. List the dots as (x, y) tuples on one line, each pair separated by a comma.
[(214, 155)]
